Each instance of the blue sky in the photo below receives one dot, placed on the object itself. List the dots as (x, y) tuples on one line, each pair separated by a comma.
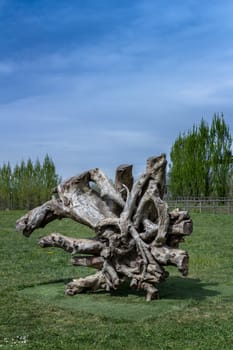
[(98, 83)]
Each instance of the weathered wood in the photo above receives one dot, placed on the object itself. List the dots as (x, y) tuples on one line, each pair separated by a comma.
[(89, 261), (136, 236), (124, 179), (89, 283), (72, 245), (184, 227), (156, 166), (170, 256)]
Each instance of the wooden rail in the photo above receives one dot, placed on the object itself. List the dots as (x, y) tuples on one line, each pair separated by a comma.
[(203, 205), (199, 205)]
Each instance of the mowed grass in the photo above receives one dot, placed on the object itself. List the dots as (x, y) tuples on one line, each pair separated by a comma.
[(193, 313)]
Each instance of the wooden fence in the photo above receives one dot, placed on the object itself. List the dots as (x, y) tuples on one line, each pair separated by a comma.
[(203, 205), (199, 205)]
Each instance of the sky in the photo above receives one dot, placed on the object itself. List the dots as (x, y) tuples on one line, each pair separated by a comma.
[(99, 83)]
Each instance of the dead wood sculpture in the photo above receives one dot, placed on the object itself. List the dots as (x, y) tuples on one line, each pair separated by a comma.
[(135, 234)]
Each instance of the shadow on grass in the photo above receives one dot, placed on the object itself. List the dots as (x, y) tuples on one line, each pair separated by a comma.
[(187, 288), (57, 281), (176, 288), (125, 303)]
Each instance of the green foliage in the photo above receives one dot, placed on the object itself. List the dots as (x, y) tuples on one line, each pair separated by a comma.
[(5, 184), (193, 313), (201, 161), (28, 184)]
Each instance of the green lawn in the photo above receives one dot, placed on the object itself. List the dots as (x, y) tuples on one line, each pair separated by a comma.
[(193, 313)]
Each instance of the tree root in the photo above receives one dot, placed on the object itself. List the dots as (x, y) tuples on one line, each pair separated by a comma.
[(136, 236)]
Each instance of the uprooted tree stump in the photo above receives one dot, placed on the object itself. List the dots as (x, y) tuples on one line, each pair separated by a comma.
[(135, 234)]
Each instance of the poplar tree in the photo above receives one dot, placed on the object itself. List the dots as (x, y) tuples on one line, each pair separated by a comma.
[(201, 161), (220, 156), (28, 185), (5, 186), (49, 178)]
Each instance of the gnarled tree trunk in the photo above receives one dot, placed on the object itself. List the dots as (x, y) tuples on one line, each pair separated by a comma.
[(135, 234)]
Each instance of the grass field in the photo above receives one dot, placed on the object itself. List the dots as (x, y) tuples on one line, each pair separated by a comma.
[(193, 313)]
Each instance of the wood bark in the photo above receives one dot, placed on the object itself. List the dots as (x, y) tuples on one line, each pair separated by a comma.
[(135, 235)]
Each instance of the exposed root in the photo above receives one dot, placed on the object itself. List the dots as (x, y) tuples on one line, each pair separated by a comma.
[(135, 235)]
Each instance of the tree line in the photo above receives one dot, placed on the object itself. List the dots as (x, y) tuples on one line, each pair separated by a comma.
[(202, 162), (201, 166), (28, 184)]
